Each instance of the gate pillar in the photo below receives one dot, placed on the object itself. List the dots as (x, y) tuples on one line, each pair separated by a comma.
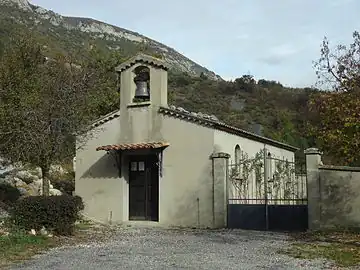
[(313, 160), (220, 165)]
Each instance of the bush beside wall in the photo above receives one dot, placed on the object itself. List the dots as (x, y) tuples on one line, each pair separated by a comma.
[(55, 213)]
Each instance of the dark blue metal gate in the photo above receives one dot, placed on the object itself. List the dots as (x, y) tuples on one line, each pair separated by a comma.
[(266, 193)]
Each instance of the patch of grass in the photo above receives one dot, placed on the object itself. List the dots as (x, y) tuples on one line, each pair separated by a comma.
[(342, 254), (19, 246), (341, 247)]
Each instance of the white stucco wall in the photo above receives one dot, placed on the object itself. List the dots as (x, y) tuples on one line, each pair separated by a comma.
[(226, 142), (96, 176), (186, 186), (185, 189)]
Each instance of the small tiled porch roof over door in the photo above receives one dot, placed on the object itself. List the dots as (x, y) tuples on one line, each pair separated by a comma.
[(133, 146)]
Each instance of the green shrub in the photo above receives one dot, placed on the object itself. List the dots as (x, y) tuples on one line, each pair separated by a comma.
[(55, 213), (8, 194)]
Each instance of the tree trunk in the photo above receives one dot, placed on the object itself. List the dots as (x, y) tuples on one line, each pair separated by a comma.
[(45, 181)]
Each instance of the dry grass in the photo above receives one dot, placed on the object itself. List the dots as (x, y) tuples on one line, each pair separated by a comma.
[(20, 246), (341, 247)]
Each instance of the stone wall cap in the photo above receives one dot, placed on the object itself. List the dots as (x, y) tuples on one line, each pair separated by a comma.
[(313, 151), (220, 155), (339, 168)]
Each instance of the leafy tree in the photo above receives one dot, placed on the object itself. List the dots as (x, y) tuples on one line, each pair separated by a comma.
[(283, 128), (246, 82), (44, 104), (265, 83), (335, 116), (103, 64)]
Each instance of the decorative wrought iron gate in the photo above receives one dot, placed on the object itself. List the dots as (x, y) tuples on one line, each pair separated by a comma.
[(266, 193)]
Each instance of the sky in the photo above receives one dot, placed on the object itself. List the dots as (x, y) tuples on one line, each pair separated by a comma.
[(274, 40)]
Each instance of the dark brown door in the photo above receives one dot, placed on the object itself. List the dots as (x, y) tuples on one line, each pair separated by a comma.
[(143, 188)]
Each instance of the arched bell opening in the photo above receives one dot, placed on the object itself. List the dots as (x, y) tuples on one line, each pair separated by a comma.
[(142, 82)]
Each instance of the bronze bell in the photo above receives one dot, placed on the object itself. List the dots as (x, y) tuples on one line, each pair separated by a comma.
[(142, 90)]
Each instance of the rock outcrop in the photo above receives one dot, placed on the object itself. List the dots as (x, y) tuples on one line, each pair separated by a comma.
[(28, 180), (38, 18)]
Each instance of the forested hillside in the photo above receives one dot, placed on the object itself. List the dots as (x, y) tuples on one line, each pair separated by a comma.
[(261, 106)]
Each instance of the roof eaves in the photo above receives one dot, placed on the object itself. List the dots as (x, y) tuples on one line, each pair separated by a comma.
[(250, 135), (133, 146), (103, 119), (142, 58), (224, 127), (186, 116)]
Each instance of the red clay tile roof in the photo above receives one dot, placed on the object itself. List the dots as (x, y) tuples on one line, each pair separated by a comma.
[(132, 146)]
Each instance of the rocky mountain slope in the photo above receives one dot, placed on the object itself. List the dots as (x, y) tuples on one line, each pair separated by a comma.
[(257, 105), (70, 33)]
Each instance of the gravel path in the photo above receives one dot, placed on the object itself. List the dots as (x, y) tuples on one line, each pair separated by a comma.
[(155, 248)]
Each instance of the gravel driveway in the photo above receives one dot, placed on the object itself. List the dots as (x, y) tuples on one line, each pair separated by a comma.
[(155, 248)]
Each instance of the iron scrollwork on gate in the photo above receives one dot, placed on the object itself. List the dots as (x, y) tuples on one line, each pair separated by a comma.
[(263, 190)]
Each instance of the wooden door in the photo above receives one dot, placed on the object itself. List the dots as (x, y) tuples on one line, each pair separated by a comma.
[(143, 188)]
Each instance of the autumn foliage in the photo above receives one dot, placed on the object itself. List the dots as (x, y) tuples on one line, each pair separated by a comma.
[(335, 123), (334, 119)]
